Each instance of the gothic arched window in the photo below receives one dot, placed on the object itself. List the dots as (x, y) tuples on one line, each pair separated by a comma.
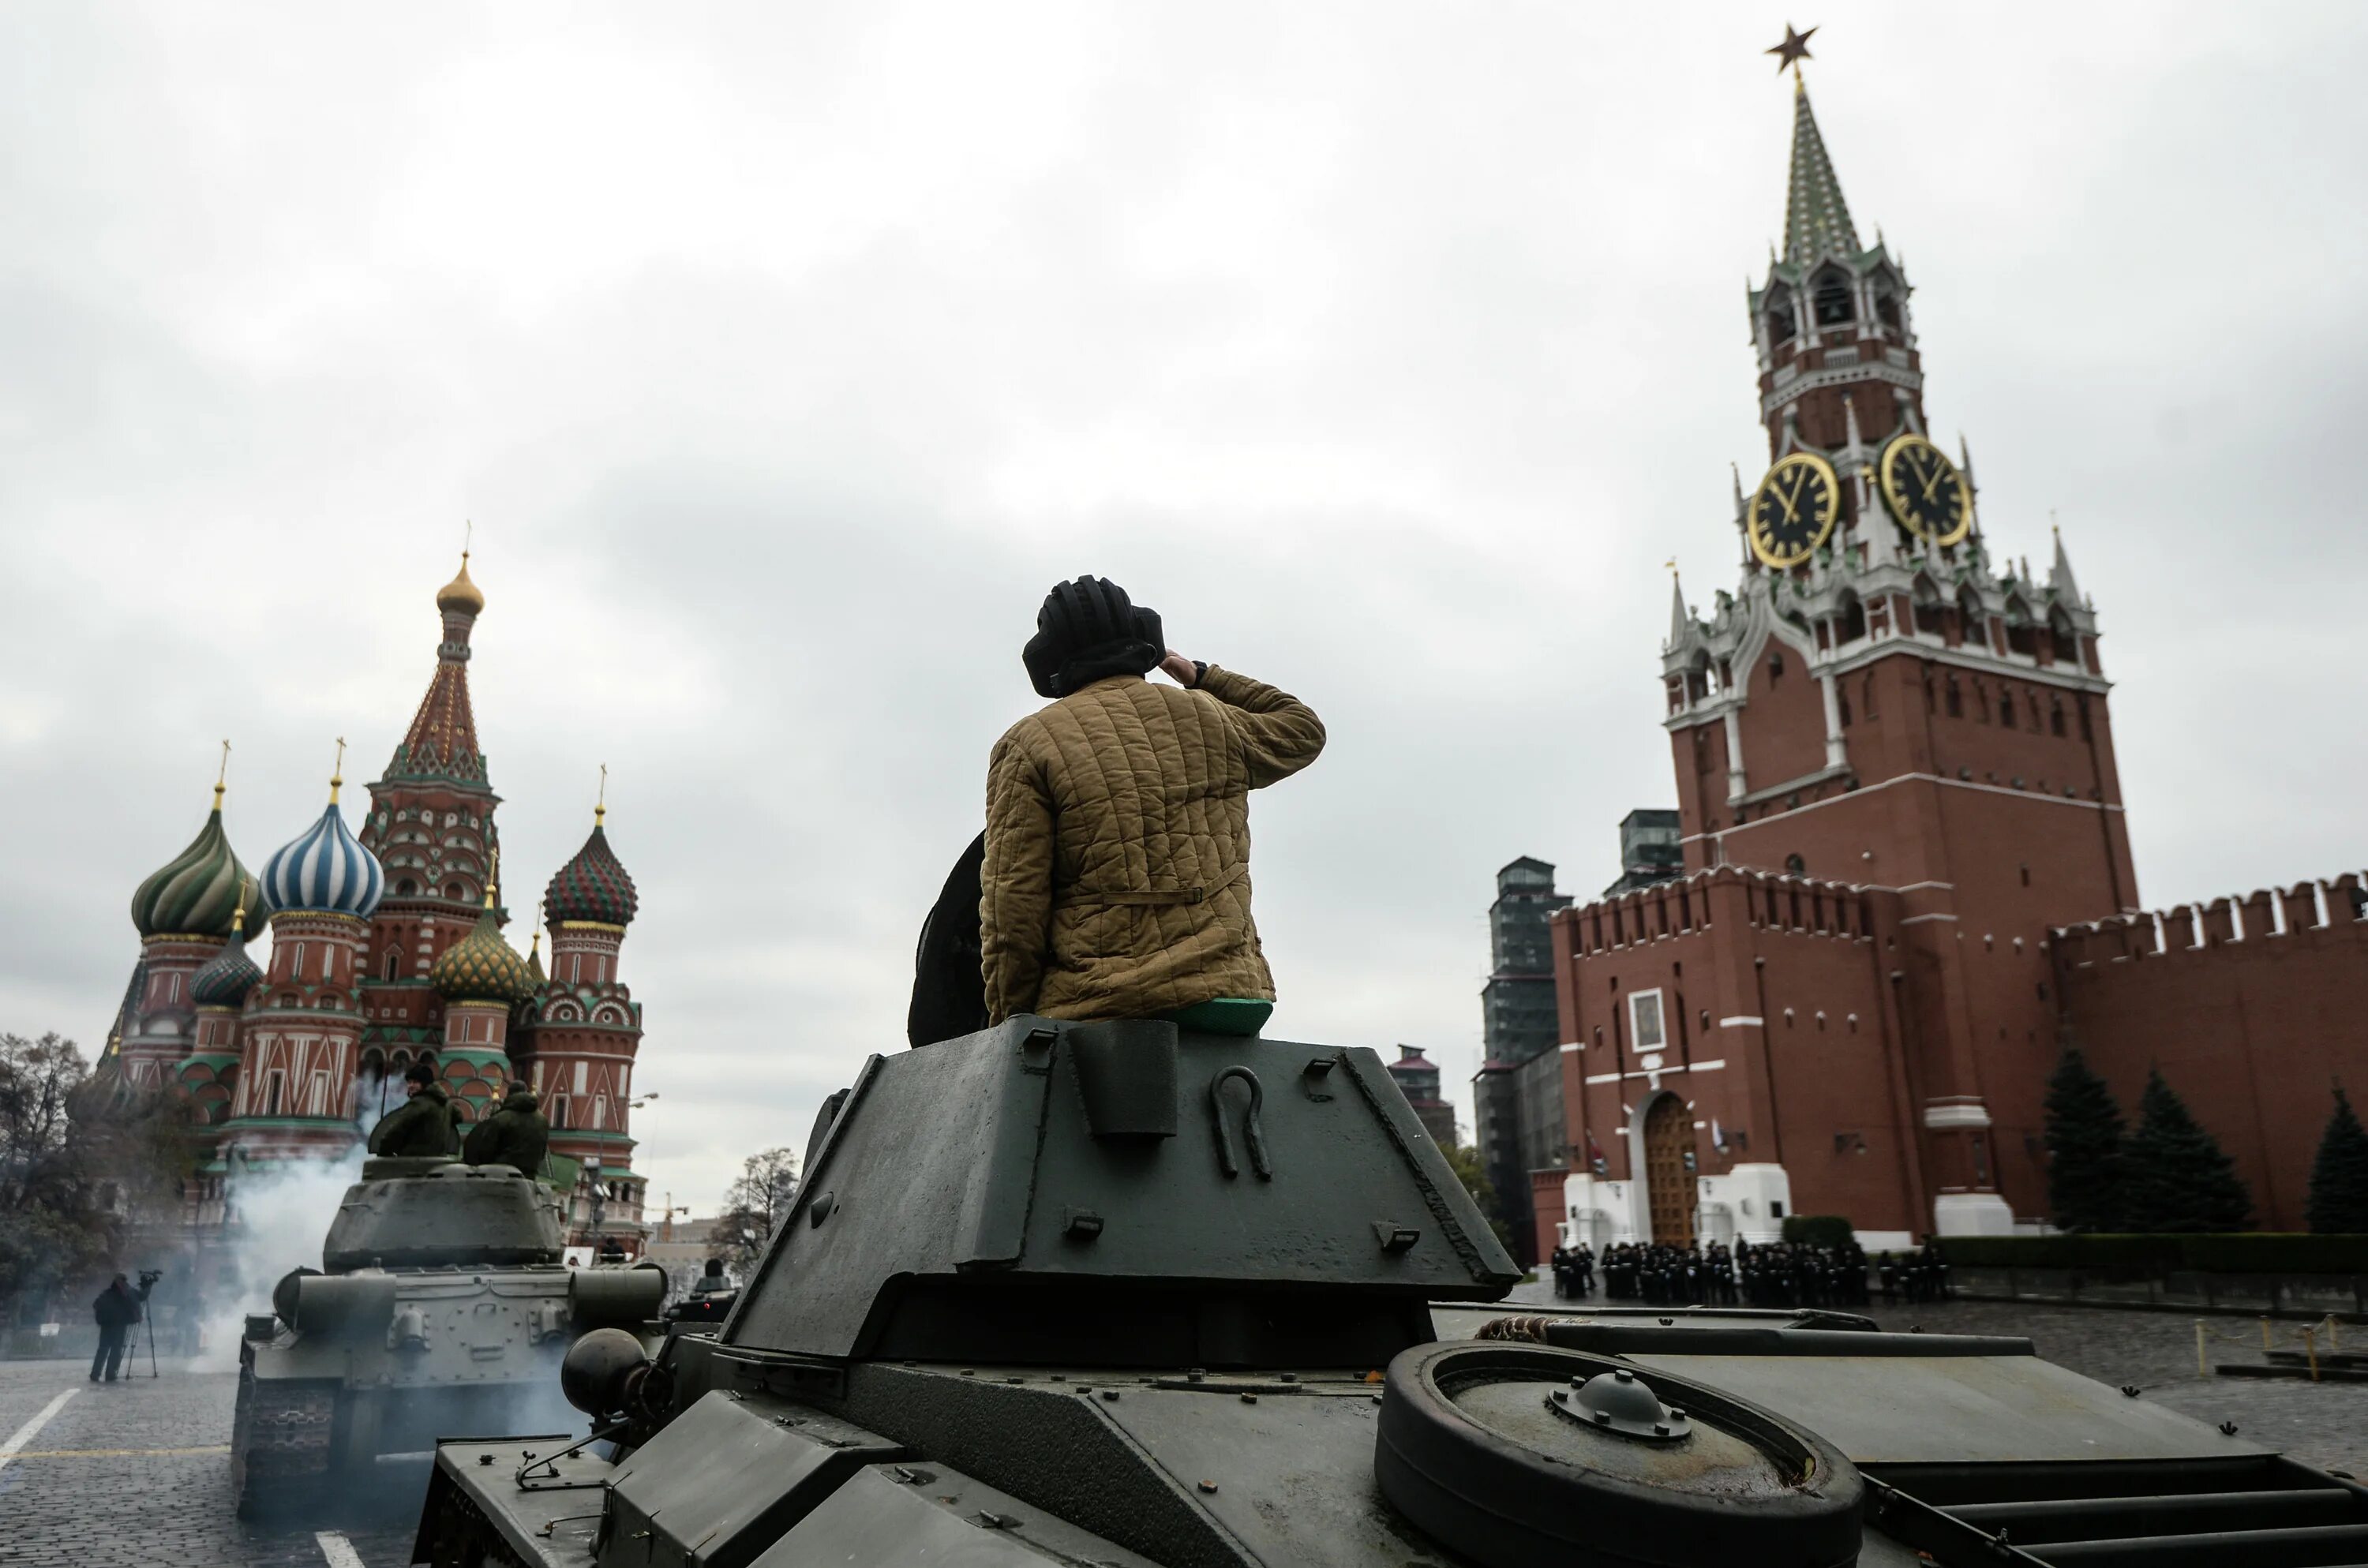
[(1781, 326)]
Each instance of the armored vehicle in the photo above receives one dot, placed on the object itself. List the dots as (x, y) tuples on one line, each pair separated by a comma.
[(442, 1306), (1112, 1294)]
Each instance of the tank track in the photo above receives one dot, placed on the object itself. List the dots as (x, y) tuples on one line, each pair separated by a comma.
[(283, 1440)]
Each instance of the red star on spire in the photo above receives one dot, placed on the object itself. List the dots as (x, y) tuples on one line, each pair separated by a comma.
[(1793, 51)]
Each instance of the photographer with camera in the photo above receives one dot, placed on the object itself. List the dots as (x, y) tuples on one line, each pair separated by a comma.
[(116, 1310)]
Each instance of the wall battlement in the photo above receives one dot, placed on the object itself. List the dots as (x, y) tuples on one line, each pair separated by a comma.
[(2266, 914), (1773, 900)]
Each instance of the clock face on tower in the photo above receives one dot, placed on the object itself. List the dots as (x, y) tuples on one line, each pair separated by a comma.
[(1925, 491), (1794, 510)]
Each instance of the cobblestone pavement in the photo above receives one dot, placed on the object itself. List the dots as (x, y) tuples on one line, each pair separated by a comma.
[(136, 1474), (2320, 1424)]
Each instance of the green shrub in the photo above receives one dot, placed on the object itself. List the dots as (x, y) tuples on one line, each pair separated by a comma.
[(2250, 1252), (1818, 1230)]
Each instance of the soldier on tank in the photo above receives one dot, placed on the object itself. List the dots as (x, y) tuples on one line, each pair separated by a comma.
[(514, 1135), (423, 1124), (1114, 881)]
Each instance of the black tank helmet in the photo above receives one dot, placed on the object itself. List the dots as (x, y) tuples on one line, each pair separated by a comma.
[(1088, 630)]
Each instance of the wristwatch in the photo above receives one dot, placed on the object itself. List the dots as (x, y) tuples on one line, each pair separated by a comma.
[(1200, 672)]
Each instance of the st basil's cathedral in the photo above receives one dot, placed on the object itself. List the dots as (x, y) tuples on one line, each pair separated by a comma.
[(387, 948)]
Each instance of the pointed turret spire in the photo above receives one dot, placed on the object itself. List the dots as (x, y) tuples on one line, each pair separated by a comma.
[(1816, 219), (2060, 581), (1678, 619), (442, 740)]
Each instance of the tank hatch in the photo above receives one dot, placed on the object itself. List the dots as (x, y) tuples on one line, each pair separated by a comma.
[(1124, 1194)]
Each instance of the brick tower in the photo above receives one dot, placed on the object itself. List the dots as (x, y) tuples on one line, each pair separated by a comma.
[(184, 911), (1895, 777), (301, 1047), (481, 978), (580, 1031), (1879, 704), (431, 824)]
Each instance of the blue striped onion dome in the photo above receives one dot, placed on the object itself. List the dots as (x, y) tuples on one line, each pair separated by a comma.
[(224, 979), (480, 966), (324, 869), (194, 893)]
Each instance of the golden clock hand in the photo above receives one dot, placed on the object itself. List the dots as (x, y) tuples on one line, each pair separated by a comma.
[(1791, 502), (1935, 480)]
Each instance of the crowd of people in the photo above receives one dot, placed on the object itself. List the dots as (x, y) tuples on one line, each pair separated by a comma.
[(1772, 1274)]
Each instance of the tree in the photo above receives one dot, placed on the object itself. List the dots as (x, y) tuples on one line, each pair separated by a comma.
[(1466, 1161), (2084, 1147), (757, 1201), (2174, 1175), (54, 1227), (2338, 1177)]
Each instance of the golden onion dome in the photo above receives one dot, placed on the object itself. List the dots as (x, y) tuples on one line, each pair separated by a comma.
[(460, 593), (480, 966)]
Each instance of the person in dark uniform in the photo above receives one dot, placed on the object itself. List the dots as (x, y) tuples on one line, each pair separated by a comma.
[(514, 1135), (116, 1310), (423, 1124), (1584, 1260)]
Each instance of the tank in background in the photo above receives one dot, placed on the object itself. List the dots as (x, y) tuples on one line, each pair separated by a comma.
[(441, 1307)]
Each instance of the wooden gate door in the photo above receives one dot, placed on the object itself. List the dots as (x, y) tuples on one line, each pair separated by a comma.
[(1669, 1187)]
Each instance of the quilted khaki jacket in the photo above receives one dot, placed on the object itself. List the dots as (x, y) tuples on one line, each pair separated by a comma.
[(1117, 846)]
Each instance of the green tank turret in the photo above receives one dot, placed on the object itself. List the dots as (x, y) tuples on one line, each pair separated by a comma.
[(442, 1306), (1112, 1294)]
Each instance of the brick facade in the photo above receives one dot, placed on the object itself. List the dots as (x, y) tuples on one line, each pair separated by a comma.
[(2251, 1007)]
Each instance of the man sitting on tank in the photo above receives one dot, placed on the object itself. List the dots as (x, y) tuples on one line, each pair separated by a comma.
[(421, 1124), (514, 1135), (1116, 881)]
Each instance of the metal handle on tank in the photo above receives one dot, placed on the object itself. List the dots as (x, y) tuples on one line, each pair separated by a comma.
[(1252, 1128)]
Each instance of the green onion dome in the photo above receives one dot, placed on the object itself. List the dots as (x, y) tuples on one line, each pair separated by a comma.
[(593, 886), (196, 893), (480, 966), (224, 979)]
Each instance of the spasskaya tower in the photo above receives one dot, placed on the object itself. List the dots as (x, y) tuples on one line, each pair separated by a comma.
[(1894, 774)]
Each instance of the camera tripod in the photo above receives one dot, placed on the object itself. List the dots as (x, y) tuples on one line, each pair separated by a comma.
[(147, 1321)]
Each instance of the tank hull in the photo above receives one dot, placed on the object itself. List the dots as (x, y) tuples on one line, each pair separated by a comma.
[(1068, 1293)]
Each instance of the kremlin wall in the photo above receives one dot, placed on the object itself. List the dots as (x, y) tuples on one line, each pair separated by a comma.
[(387, 947)]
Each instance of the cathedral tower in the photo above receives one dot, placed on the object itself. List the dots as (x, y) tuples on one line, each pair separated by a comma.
[(184, 913), (431, 824), (481, 978), (584, 1029), (301, 1048)]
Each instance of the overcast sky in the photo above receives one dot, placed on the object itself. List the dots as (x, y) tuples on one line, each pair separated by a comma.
[(784, 355)]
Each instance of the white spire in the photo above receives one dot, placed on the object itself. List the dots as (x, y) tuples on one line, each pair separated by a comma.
[(1679, 622)]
